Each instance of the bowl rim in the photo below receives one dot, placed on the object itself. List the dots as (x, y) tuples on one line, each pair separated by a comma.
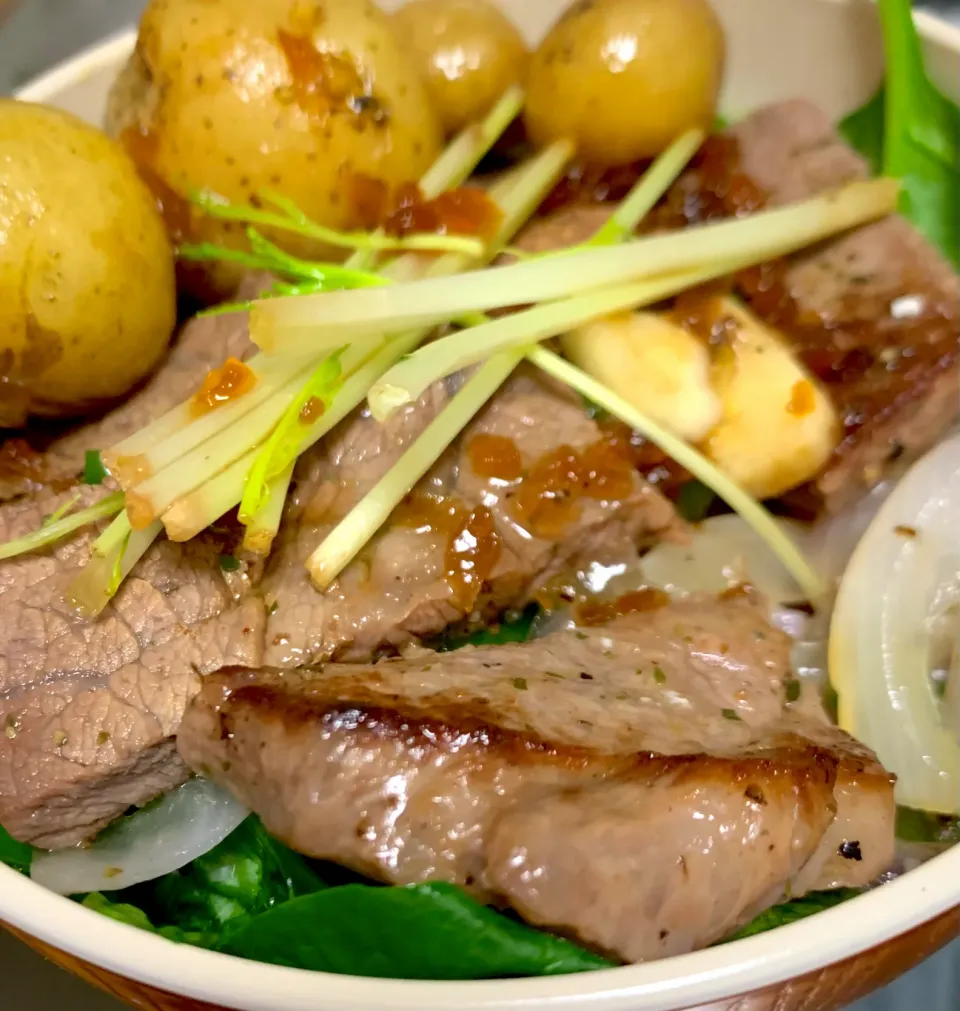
[(697, 978)]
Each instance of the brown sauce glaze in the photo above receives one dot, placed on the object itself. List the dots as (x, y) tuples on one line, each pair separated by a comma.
[(495, 456), (324, 83), (548, 497), (466, 210), (603, 611), (227, 382), (472, 544), (143, 145)]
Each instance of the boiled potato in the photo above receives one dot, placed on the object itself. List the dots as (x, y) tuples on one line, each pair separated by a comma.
[(624, 78), (778, 426), (468, 50), (653, 364), (240, 96), (87, 294)]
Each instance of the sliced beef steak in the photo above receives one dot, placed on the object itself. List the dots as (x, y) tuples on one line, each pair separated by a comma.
[(643, 786), (874, 313), (888, 343), (52, 455), (89, 710), (530, 489)]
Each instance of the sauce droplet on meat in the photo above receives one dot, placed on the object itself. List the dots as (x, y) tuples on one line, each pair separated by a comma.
[(495, 456), (229, 381), (548, 498), (601, 612), (472, 544)]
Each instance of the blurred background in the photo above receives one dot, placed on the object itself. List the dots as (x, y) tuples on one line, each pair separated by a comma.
[(34, 35)]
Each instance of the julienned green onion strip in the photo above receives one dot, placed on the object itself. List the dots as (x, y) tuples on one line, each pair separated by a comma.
[(283, 445), (315, 323), (362, 522), (289, 218), (690, 459), (261, 529), (451, 169), (51, 532), (264, 255), (342, 544), (518, 195), (115, 553)]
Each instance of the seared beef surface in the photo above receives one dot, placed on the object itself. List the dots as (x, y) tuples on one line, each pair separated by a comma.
[(875, 313), (643, 786), (886, 304), (90, 709)]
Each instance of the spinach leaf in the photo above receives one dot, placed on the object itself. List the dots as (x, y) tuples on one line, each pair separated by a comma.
[(135, 917), (15, 854), (694, 500), (790, 912), (924, 827), (515, 630), (431, 931), (248, 873), (911, 132), (94, 470)]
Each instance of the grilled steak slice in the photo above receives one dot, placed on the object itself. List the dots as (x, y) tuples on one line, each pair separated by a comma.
[(50, 454), (89, 709), (874, 313), (643, 786), (889, 346), (530, 489)]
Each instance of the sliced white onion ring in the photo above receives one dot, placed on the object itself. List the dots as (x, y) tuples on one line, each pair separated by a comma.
[(724, 551), (902, 572), (163, 837)]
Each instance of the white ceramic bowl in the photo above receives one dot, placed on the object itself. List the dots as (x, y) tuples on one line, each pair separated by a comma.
[(829, 51)]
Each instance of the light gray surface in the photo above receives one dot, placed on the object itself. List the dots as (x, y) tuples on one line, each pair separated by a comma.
[(38, 34)]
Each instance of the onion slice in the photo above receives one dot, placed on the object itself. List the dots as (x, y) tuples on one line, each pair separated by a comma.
[(725, 551), (162, 837), (903, 574)]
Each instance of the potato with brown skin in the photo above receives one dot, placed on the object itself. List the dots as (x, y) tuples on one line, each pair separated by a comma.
[(469, 51), (240, 96), (624, 78), (87, 293)]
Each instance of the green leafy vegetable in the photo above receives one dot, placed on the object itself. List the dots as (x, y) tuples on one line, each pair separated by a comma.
[(924, 827), (228, 563), (248, 873), (515, 629), (94, 472), (431, 931), (694, 501), (15, 854), (283, 446), (911, 132), (132, 916), (790, 912)]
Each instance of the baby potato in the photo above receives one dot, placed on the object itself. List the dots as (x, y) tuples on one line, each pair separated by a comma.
[(779, 425), (653, 364), (87, 293), (624, 78), (469, 52), (241, 96)]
